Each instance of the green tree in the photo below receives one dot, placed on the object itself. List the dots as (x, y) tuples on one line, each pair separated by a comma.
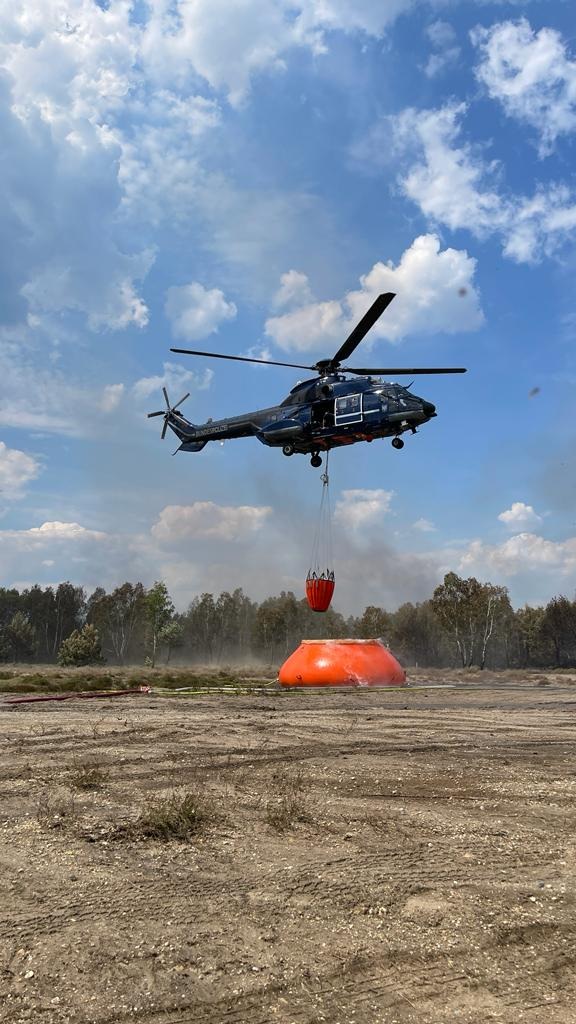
[(171, 636), (39, 606), (21, 637), (82, 647), (416, 636), (68, 614), (118, 616), (374, 623), (559, 627), (453, 602), (159, 611), (201, 627), (534, 645), (470, 612)]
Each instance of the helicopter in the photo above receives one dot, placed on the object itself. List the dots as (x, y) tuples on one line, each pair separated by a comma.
[(319, 414)]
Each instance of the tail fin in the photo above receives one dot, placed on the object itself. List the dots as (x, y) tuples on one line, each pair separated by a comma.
[(174, 419), (191, 446)]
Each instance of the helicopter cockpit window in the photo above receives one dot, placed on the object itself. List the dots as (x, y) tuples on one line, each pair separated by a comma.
[(348, 409)]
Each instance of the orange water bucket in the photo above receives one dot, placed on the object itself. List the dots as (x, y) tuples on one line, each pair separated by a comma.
[(319, 591), (342, 663)]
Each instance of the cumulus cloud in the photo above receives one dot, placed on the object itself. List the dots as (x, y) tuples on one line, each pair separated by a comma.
[(57, 550), (111, 397), (48, 534), (44, 397), (294, 290), (424, 525), (445, 49), (455, 185), (205, 519), (59, 180), (361, 508), (525, 552), (195, 312), (519, 515), (434, 292), (229, 44), (531, 75), (174, 378), (16, 470)]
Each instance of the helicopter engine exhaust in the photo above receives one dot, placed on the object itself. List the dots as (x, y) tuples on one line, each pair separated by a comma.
[(280, 432)]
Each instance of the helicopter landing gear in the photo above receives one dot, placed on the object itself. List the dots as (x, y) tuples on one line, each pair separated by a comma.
[(288, 449), (397, 442), (316, 461)]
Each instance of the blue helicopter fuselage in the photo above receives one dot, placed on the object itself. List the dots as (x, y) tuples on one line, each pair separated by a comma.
[(319, 414)]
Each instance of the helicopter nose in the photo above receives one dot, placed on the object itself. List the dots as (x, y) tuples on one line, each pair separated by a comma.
[(429, 409)]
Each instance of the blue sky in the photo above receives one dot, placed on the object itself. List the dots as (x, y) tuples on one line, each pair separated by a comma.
[(246, 177)]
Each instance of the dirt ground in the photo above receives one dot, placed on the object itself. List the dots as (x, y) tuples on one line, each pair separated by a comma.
[(368, 857)]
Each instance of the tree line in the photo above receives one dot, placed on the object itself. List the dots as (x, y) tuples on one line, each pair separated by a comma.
[(465, 623)]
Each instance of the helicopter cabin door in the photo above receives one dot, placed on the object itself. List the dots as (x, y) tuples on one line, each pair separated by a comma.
[(348, 409)]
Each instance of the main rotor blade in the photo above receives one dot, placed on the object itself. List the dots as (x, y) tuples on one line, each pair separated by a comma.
[(162, 412), (404, 372), (362, 328), (166, 399), (164, 428), (187, 395), (239, 359)]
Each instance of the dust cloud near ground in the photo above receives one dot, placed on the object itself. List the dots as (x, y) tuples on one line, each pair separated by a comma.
[(405, 856)]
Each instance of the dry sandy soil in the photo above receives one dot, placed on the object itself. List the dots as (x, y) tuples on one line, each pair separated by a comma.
[(368, 857)]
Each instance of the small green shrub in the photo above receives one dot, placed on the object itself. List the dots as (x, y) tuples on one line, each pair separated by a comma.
[(56, 809), (88, 777), (290, 804), (82, 647), (177, 816)]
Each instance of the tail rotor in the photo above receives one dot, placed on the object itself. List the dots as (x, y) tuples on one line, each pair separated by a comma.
[(169, 411)]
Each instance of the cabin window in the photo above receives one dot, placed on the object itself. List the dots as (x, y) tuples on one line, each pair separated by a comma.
[(348, 409), (371, 404)]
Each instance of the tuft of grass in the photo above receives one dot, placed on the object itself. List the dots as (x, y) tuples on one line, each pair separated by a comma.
[(290, 804), (56, 809), (88, 777), (179, 815)]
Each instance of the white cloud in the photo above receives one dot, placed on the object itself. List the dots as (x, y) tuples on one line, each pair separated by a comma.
[(35, 397), (441, 34), (111, 397), (205, 519), (195, 311), (424, 525), (448, 184), (525, 552), (361, 508), (294, 291), (454, 185), (519, 515), (531, 75), (434, 292), (225, 43), (446, 51), (16, 470), (59, 175), (58, 550), (258, 352), (48, 534), (175, 379)]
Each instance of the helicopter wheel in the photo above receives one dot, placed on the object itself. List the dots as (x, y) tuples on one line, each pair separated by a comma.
[(288, 449), (397, 442), (316, 461)]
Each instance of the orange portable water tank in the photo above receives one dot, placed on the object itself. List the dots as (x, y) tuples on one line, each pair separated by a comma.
[(342, 663)]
